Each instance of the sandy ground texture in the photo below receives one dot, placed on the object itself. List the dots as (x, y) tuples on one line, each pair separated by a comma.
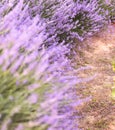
[(99, 112)]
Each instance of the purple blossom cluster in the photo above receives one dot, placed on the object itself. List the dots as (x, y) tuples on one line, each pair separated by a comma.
[(34, 37), (52, 90), (74, 20)]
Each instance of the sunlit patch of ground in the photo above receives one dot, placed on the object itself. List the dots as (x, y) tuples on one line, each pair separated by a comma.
[(99, 112)]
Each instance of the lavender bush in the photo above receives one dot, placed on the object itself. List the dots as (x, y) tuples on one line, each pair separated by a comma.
[(108, 9), (70, 19), (37, 86), (112, 10), (75, 19)]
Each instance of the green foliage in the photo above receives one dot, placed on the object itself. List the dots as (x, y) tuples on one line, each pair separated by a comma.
[(113, 88), (108, 9), (14, 103), (113, 93)]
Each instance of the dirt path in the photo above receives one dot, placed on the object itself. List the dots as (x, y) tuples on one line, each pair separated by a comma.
[(99, 112)]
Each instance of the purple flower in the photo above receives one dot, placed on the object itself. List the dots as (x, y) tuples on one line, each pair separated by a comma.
[(43, 72), (33, 98), (75, 19)]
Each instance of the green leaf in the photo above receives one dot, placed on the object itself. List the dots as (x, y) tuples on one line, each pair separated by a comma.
[(113, 93)]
